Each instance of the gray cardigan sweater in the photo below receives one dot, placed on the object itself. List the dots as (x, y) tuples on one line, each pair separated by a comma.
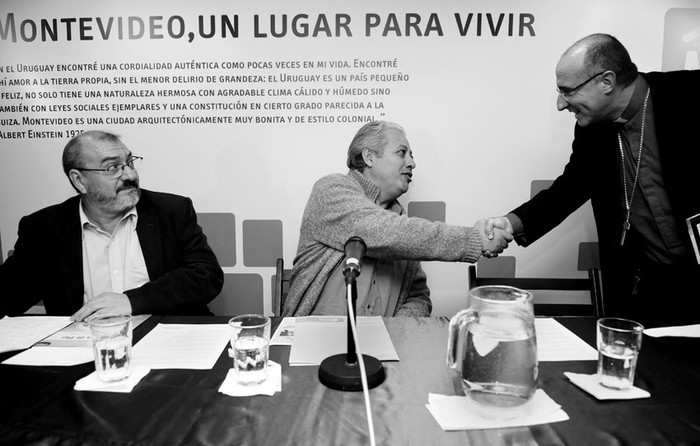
[(341, 206)]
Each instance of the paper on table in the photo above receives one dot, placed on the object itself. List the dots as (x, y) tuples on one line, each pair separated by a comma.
[(181, 346), (18, 333), (457, 413), (71, 345), (284, 335), (78, 334), (557, 343), (318, 337), (46, 356), (687, 331)]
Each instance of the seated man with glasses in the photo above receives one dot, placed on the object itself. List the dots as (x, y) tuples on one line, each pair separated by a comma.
[(635, 157), (114, 248)]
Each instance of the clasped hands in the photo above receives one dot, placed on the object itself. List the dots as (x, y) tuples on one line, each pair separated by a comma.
[(496, 233)]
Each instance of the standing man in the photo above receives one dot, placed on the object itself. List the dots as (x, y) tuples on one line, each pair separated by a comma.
[(635, 156), (114, 248), (364, 203)]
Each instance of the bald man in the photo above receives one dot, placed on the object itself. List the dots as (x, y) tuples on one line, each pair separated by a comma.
[(635, 156)]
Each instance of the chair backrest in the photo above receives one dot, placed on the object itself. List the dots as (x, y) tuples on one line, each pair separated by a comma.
[(280, 287), (592, 284)]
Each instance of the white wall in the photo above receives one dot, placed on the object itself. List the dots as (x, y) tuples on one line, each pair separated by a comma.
[(479, 110)]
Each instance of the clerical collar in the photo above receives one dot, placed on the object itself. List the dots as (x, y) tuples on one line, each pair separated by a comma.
[(636, 101)]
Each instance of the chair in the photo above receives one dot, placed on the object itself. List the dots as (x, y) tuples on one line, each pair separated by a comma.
[(280, 287), (592, 284)]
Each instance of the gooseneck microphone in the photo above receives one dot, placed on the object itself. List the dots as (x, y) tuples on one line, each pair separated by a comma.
[(342, 371), (355, 249)]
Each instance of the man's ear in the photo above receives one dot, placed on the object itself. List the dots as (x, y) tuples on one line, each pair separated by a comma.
[(368, 156), (77, 179), (609, 81)]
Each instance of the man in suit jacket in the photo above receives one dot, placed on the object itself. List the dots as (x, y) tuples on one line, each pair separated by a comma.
[(635, 156), (114, 248)]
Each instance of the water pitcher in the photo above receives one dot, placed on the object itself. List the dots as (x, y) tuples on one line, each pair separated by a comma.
[(493, 346)]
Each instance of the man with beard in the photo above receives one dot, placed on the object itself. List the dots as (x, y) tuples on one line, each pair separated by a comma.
[(114, 248)]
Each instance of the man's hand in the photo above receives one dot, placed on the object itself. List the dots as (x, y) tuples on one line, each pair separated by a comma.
[(495, 234), (497, 222), (104, 304)]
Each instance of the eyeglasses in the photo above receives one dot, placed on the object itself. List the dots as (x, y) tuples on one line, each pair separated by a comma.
[(569, 92), (116, 170)]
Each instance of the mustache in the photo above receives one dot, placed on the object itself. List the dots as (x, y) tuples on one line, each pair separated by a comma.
[(128, 184)]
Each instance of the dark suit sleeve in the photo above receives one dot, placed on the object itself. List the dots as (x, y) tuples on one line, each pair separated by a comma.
[(185, 275), (17, 283), (568, 192)]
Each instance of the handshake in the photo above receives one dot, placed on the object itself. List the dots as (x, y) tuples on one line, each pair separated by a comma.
[(496, 233)]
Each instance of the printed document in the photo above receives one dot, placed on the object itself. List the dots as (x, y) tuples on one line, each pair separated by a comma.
[(182, 346), (557, 343), (318, 337)]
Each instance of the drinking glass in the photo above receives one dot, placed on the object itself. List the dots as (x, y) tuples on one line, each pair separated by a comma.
[(619, 342), (250, 341), (111, 342)]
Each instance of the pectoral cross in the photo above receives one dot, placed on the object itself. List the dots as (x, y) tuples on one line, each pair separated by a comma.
[(625, 227)]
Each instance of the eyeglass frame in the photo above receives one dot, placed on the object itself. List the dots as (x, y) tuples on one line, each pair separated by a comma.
[(120, 167), (573, 90)]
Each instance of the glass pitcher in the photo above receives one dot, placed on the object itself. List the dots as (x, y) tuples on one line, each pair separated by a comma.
[(498, 346)]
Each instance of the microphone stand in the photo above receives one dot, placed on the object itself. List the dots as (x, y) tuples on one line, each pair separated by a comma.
[(342, 371)]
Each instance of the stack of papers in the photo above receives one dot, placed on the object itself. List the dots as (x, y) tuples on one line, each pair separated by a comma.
[(70, 345), (18, 333), (318, 337)]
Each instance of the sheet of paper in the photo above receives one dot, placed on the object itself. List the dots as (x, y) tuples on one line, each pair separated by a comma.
[(18, 333), (49, 356), (77, 334), (284, 335), (318, 337), (182, 346), (557, 343), (685, 331)]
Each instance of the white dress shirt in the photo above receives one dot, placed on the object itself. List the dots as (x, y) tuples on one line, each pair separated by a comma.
[(111, 262)]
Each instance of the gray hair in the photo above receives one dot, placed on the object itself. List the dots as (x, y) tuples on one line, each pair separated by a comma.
[(72, 153), (370, 136)]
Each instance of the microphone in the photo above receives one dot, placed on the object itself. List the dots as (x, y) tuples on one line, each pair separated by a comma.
[(343, 371), (354, 252)]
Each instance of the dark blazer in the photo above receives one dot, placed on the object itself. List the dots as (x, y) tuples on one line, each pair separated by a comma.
[(47, 261), (593, 172)]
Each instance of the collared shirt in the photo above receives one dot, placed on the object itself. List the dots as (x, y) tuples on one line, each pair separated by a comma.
[(378, 287), (651, 215), (111, 262)]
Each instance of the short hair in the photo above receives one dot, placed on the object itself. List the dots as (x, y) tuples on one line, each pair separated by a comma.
[(370, 136), (73, 150), (607, 53), (72, 153)]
